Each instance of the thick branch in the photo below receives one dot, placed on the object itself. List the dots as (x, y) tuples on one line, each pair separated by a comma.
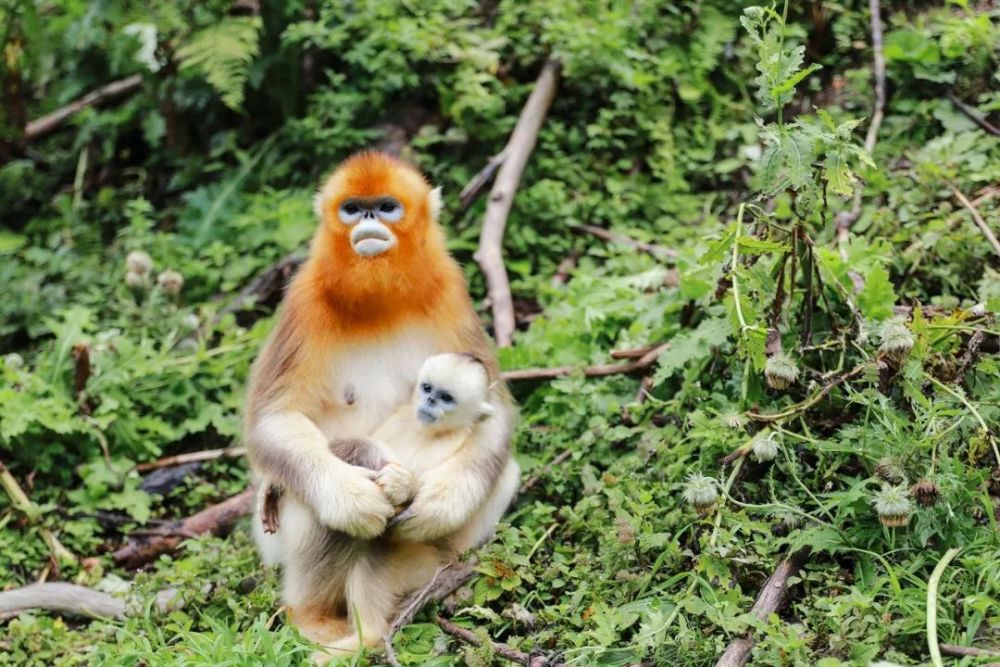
[(770, 599), (648, 359), (213, 520), (967, 651), (191, 457), (49, 123), (490, 252), (621, 239), (74, 600)]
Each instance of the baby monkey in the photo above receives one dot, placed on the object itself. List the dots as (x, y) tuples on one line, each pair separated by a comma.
[(449, 402), (429, 453)]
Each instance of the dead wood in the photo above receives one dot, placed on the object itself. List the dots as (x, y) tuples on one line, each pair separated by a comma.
[(620, 239), (190, 457), (75, 600), (214, 520), (51, 122), (648, 359), (472, 189), (504, 651), (770, 599), (974, 115), (957, 651), (489, 255)]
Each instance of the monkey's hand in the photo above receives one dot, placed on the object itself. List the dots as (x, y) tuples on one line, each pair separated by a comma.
[(397, 483), (435, 512), (350, 501)]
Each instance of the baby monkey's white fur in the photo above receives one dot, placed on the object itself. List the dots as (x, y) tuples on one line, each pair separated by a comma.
[(459, 482)]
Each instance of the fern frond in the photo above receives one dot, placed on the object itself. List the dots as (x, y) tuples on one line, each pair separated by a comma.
[(222, 55)]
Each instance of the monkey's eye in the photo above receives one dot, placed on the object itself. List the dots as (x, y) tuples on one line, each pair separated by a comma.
[(387, 207), (351, 208), (446, 397), (426, 388)]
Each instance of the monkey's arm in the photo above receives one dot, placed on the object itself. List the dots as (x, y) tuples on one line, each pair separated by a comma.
[(397, 483), (290, 450), (449, 495)]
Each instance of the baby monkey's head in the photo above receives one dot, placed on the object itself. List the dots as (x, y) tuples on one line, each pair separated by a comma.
[(452, 391)]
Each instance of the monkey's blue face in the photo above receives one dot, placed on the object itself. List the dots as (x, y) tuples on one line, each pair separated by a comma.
[(370, 219), (434, 403)]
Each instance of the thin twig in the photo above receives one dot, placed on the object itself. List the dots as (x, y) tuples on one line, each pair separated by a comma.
[(848, 218), (490, 251), (479, 181), (190, 457), (812, 400), (771, 598), (602, 370), (534, 479), (20, 500), (974, 115), (50, 122), (504, 651), (621, 239), (983, 227)]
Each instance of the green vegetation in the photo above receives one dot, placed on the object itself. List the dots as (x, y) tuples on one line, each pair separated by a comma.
[(853, 378)]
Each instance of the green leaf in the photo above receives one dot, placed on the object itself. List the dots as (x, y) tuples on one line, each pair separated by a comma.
[(759, 246), (690, 345), (877, 297), (222, 55)]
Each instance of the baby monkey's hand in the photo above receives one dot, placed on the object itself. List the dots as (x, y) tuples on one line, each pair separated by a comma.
[(397, 483)]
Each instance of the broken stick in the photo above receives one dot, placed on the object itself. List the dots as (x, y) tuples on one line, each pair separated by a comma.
[(213, 520), (770, 599), (646, 360), (190, 457), (489, 255), (50, 122)]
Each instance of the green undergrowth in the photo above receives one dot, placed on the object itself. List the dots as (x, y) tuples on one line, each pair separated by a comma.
[(817, 389)]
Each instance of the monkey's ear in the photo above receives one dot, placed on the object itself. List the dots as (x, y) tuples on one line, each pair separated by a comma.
[(435, 203), (486, 410), (318, 201)]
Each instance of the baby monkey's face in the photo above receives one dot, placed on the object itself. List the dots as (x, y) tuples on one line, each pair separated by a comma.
[(452, 391)]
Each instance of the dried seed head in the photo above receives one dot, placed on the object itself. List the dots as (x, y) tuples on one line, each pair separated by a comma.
[(136, 281), (625, 531), (139, 262), (765, 446), (897, 340), (13, 361), (519, 615), (170, 282), (702, 493), (889, 470), (733, 420), (780, 371), (190, 322), (894, 506), (925, 492)]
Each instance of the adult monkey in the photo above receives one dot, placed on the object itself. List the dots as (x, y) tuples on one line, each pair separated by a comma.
[(378, 295)]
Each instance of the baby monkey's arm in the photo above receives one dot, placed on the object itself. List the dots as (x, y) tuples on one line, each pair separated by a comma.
[(397, 483)]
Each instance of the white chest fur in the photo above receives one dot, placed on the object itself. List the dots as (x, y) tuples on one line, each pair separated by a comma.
[(371, 380)]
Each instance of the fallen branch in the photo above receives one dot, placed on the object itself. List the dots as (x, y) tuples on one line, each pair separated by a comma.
[(445, 581), (20, 500), (983, 227), (567, 264), (534, 479), (479, 181), (74, 600), (621, 239), (648, 359), (212, 520), (50, 122), (490, 251), (973, 115), (956, 651), (191, 457), (848, 218), (770, 599), (504, 651)]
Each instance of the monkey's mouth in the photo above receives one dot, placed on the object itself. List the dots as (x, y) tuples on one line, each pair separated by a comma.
[(370, 241), (426, 416)]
